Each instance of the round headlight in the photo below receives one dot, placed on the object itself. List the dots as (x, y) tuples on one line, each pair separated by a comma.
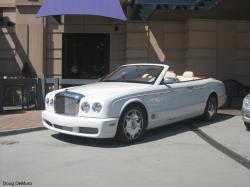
[(47, 101), (97, 107), (246, 102), (51, 103), (85, 107)]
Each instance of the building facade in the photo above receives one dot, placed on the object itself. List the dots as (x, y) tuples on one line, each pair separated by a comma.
[(212, 43)]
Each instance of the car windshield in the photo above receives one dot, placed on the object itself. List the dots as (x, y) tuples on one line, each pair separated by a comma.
[(146, 74)]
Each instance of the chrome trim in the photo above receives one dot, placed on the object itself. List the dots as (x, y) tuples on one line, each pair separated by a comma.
[(74, 95), (67, 103)]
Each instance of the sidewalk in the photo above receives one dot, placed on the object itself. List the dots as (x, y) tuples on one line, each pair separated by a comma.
[(16, 120)]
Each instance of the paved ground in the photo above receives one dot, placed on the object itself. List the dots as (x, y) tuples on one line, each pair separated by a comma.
[(168, 156), (20, 120), (230, 131)]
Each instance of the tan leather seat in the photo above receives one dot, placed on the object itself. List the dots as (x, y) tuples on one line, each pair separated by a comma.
[(186, 76)]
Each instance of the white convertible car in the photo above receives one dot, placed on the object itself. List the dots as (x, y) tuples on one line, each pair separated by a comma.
[(130, 100)]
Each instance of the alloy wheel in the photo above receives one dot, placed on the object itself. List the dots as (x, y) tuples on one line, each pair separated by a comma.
[(133, 124)]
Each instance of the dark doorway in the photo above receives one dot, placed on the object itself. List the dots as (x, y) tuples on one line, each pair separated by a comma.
[(85, 56)]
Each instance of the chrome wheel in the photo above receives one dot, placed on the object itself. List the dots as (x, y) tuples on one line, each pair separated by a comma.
[(133, 124), (211, 109)]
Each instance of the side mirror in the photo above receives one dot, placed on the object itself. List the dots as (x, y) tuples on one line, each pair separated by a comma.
[(169, 80)]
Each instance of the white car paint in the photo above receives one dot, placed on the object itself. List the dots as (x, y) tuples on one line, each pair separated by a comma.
[(164, 104)]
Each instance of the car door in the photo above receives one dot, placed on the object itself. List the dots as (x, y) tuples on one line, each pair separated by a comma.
[(193, 98), (169, 104), (198, 98), (182, 99)]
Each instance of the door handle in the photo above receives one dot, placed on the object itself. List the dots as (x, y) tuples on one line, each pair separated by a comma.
[(190, 87)]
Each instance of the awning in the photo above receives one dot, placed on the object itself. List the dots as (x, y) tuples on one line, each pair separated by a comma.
[(105, 8), (145, 8)]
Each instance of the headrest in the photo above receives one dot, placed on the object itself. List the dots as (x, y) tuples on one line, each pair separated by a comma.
[(170, 74), (188, 74)]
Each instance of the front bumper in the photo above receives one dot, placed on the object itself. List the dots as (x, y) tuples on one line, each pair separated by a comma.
[(246, 114), (80, 126)]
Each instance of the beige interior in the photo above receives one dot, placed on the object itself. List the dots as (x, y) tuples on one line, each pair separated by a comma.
[(186, 76)]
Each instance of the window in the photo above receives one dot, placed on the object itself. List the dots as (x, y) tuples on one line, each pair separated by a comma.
[(85, 56)]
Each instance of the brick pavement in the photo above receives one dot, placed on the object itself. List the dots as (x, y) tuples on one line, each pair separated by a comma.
[(20, 120)]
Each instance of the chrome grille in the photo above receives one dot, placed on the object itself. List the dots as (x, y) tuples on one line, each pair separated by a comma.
[(67, 103)]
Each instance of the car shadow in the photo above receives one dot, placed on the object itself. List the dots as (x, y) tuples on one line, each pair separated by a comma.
[(180, 127), (199, 123), (149, 136)]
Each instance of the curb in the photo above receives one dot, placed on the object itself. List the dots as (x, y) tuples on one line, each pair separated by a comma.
[(20, 131)]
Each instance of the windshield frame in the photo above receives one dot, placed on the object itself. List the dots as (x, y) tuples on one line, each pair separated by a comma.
[(159, 75)]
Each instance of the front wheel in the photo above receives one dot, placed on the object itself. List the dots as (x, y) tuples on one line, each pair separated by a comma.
[(131, 124), (211, 109)]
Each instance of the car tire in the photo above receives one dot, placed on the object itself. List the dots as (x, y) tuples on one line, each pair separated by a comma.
[(132, 124), (247, 126), (211, 109)]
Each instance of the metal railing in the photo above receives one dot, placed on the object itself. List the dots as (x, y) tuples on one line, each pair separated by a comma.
[(30, 93)]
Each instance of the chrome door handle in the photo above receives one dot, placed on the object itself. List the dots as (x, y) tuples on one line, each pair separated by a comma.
[(190, 87)]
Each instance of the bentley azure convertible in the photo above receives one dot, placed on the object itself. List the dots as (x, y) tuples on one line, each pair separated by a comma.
[(130, 100)]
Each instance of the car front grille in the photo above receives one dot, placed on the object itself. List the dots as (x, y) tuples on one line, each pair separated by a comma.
[(67, 103)]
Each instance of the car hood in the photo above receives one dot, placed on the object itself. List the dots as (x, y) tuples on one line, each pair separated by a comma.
[(104, 89)]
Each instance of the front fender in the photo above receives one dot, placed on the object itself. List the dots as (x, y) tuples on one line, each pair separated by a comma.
[(118, 106)]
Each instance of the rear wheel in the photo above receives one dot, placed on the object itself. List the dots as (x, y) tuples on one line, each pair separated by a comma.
[(131, 124), (211, 109)]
